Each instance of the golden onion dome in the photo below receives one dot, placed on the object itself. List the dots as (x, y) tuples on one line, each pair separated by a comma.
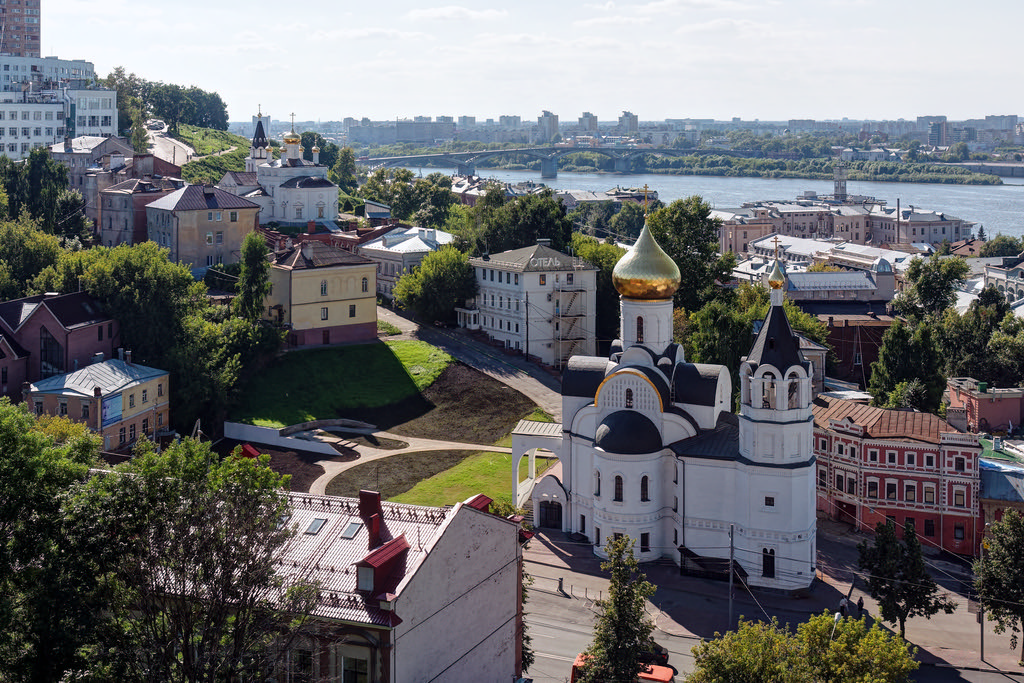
[(777, 277), (646, 271), (292, 138), (316, 149)]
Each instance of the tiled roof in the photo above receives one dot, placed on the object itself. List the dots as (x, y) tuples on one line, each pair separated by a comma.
[(71, 310), (316, 254), (328, 557), (111, 376), (201, 198), (881, 423), (535, 258)]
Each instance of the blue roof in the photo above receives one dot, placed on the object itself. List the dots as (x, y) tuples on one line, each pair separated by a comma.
[(1001, 481)]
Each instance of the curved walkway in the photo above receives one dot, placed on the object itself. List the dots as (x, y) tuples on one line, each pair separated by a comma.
[(333, 468)]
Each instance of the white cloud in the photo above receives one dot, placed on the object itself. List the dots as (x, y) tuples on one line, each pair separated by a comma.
[(456, 13), (611, 21)]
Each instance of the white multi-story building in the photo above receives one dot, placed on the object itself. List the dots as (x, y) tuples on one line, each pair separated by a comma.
[(42, 73), (399, 251), (535, 300), (650, 448)]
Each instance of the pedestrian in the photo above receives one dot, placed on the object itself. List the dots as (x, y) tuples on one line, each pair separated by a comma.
[(843, 605), (860, 606)]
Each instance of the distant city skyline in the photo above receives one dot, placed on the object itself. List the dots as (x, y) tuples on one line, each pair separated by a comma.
[(718, 59)]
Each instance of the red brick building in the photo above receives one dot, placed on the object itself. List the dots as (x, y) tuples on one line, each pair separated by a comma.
[(911, 468)]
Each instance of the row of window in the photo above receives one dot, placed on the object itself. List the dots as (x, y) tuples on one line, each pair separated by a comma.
[(324, 312), (218, 216), (365, 286), (892, 457), (910, 489), (508, 276), (619, 486), (501, 302)]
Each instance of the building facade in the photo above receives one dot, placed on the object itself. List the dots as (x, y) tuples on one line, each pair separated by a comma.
[(21, 29), (322, 294), (977, 407), (398, 251), (535, 300), (201, 225), (650, 448), (911, 469), (122, 209), (117, 399)]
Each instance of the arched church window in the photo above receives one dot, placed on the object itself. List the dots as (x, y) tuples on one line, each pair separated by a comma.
[(323, 288), (629, 398), (644, 486), (768, 563), (768, 390), (639, 330), (597, 483), (794, 392), (319, 212), (618, 489), (366, 285)]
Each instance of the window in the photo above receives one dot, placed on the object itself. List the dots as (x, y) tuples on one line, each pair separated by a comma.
[(517, 278), (929, 461), (959, 495), (583, 524), (644, 489), (145, 395), (597, 535), (85, 411), (851, 486), (908, 524), (64, 408), (769, 501), (323, 313), (120, 435), (351, 310), (145, 425), (131, 432), (929, 494), (823, 444), (911, 459), (645, 542), (629, 398), (890, 490), (131, 400), (890, 456), (159, 419), (568, 278), (639, 330), (910, 493), (209, 238), (366, 285), (233, 216), (675, 503), (220, 236), (323, 288), (597, 483), (839, 449), (929, 527), (839, 482), (958, 464), (958, 532), (543, 279), (315, 526), (768, 563), (822, 478), (492, 276), (618, 489), (160, 389)]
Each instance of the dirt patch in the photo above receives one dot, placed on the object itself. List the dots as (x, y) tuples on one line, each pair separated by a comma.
[(463, 404), (395, 475), (301, 465)]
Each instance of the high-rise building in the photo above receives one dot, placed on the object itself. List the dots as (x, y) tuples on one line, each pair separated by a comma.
[(588, 123), (547, 126), (19, 29), (629, 124)]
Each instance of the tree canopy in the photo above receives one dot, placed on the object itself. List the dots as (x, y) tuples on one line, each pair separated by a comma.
[(932, 285), (997, 575), (623, 629), (253, 278), (603, 255), (443, 280), (908, 355), (1001, 245), (898, 579)]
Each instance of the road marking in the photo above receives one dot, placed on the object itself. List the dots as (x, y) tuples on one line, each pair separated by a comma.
[(559, 658)]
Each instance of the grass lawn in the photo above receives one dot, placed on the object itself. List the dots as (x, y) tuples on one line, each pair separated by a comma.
[(328, 383), (210, 141), (435, 477), (383, 326)]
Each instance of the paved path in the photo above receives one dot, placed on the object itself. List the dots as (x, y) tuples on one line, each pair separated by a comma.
[(167, 148)]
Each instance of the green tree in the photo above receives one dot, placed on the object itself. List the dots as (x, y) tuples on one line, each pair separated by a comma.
[(521, 221), (981, 233), (603, 255), (433, 197), (25, 251), (328, 150), (254, 278), (172, 104), (1001, 245), (186, 544), (997, 575), (933, 284), (623, 629), (139, 137), (688, 233), (629, 219), (898, 579), (343, 171), (70, 221), (756, 652), (907, 356), (443, 280), (913, 150), (44, 614)]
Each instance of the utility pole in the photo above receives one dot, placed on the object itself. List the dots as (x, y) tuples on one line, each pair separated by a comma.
[(731, 550)]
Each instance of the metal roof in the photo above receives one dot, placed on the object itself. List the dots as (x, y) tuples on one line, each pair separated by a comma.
[(535, 258), (110, 376), (881, 423), (201, 198)]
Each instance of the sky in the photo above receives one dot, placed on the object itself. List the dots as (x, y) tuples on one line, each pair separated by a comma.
[(386, 59)]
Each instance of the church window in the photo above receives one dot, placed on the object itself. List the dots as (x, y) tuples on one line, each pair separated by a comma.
[(675, 473), (597, 483), (639, 330), (768, 563), (583, 524), (768, 390), (644, 489), (597, 535), (298, 212), (675, 537), (366, 285), (629, 398), (618, 489), (323, 288), (769, 501), (645, 542), (319, 212)]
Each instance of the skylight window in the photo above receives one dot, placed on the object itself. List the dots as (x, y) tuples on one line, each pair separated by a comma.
[(352, 529), (284, 520), (315, 526)]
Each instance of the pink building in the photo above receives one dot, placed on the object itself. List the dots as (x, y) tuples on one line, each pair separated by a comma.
[(913, 469), (51, 334), (976, 407)]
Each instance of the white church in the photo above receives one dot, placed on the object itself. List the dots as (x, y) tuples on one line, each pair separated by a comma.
[(289, 189), (650, 447)]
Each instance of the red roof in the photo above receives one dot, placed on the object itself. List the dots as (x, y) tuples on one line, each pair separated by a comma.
[(386, 554), (880, 423), (480, 502), (249, 451)]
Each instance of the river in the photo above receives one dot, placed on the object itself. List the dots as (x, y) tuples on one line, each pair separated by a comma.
[(999, 208)]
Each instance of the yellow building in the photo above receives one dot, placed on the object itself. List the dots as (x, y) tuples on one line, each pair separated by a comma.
[(117, 399), (322, 294), (201, 225)]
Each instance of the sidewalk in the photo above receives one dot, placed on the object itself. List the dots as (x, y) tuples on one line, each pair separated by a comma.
[(690, 607)]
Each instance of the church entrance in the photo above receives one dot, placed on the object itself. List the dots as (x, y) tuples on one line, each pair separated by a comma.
[(550, 515)]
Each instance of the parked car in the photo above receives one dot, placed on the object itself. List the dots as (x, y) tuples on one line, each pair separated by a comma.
[(658, 654)]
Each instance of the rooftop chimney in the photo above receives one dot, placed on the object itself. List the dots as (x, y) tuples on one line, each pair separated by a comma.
[(370, 512)]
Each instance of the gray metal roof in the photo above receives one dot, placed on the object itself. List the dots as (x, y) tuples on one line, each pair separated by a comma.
[(535, 258), (111, 376)]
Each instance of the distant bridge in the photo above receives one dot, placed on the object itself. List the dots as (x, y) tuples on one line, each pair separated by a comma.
[(465, 163)]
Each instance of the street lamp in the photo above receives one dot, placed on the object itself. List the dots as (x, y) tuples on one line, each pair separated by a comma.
[(835, 622)]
